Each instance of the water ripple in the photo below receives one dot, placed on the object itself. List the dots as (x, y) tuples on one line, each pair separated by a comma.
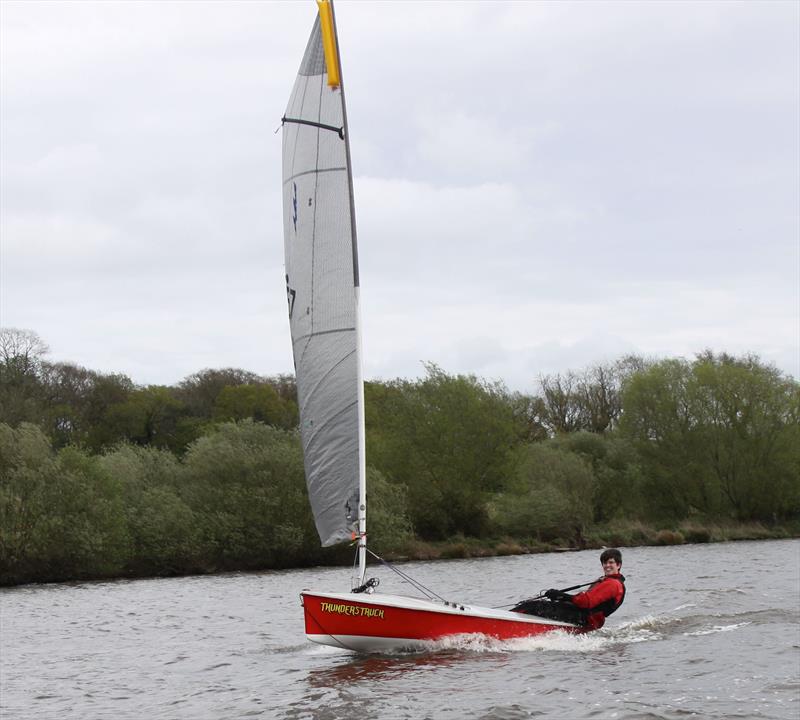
[(210, 648)]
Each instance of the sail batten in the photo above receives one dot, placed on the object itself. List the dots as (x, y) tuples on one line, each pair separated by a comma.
[(321, 286), (309, 172), (338, 130)]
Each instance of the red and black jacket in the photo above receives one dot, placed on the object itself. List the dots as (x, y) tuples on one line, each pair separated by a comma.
[(601, 599)]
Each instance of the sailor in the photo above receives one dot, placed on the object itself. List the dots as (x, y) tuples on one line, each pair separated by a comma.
[(603, 597)]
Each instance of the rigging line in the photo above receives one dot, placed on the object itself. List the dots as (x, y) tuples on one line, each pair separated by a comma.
[(330, 635), (338, 130), (543, 593), (418, 585)]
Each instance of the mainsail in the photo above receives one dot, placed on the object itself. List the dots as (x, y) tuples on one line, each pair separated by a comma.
[(322, 288)]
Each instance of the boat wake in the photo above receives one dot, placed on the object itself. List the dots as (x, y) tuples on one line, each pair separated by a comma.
[(695, 624), (648, 628), (718, 629), (557, 641), (686, 620)]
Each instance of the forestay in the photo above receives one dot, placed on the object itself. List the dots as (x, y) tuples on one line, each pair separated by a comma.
[(322, 287)]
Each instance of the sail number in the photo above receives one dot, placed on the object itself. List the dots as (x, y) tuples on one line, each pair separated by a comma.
[(290, 296)]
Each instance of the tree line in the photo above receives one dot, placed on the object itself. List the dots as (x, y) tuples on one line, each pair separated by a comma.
[(100, 477)]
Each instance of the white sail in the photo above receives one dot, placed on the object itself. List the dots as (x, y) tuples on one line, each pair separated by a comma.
[(322, 291)]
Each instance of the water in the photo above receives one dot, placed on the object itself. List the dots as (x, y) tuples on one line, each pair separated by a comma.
[(707, 631)]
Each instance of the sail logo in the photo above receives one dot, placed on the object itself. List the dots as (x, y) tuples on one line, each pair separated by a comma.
[(290, 296), (294, 206), (355, 610)]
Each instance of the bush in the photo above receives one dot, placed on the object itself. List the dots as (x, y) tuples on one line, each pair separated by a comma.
[(550, 498), (455, 551), (164, 536), (508, 548), (695, 533), (388, 525), (61, 515), (669, 537), (246, 482)]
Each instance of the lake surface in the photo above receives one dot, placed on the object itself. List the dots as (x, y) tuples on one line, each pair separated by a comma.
[(707, 631)]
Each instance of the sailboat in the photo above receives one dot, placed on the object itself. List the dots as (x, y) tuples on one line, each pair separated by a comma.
[(322, 286)]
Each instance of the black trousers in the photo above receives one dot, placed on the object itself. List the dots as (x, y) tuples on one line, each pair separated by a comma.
[(553, 610)]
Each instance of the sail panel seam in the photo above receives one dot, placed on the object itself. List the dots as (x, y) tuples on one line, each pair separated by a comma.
[(312, 390), (313, 432), (324, 332)]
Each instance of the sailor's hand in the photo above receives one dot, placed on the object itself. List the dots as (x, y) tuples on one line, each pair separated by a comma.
[(553, 594)]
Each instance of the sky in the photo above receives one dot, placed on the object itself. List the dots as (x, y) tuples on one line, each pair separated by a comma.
[(539, 186)]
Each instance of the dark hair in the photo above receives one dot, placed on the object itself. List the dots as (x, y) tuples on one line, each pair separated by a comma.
[(611, 554)]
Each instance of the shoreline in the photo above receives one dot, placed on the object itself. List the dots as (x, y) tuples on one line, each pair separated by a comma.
[(623, 536)]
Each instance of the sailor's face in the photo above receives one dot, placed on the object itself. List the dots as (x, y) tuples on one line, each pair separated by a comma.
[(611, 567)]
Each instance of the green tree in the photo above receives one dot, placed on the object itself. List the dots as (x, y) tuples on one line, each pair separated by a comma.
[(616, 466), (163, 530), (659, 417), (90, 537), (550, 496), (106, 393), (448, 440), (747, 416), (258, 402), (562, 410), (199, 391), (246, 482), (234, 394), (388, 525), (26, 464), (717, 436), (149, 416), (21, 358), (61, 516), (588, 400), (529, 417), (67, 389), (21, 353)]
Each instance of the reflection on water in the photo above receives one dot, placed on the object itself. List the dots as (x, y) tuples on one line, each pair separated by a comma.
[(374, 668)]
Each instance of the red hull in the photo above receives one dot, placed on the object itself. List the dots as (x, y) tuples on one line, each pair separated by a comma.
[(383, 622)]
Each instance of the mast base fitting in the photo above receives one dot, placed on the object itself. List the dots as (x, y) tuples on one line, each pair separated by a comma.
[(367, 587)]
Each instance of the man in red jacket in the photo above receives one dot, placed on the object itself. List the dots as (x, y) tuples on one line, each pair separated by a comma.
[(603, 597)]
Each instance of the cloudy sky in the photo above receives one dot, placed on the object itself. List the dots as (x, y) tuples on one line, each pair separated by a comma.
[(540, 186)]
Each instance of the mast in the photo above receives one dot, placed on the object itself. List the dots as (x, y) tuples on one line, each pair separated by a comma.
[(330, 38)]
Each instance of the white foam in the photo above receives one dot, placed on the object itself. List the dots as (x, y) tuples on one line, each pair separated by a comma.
[(639, 630), (718, 629), (646, 622), (556, 641), (315, 649), (643, 629)]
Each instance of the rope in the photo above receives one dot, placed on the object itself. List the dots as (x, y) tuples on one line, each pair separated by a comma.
[(332, 637), (542, 594), (372, 582), (427, 592)]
